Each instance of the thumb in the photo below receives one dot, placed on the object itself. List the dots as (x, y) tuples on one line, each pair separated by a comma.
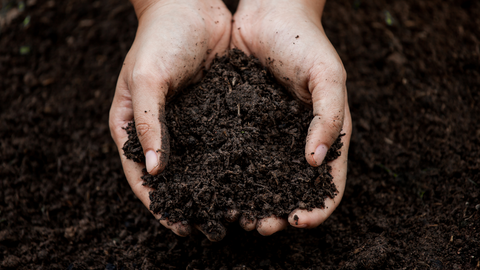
[(148, 100), (328, 91)]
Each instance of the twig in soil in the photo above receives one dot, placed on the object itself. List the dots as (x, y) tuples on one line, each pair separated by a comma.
[(211, 117), (214, 199), (473, 182), (265, 187), (199, 183), (275, 177), (119, 197)]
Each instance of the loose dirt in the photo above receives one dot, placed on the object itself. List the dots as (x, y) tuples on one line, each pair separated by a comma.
[(237, 143), (412, 194)]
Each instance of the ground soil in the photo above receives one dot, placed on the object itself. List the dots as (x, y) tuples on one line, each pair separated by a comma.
[(237, 143), (412, 195)]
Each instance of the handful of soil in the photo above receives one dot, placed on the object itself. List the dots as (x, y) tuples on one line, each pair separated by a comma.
[(237, 142)]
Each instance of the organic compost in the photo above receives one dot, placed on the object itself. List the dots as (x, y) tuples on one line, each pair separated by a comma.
[(237, 141)]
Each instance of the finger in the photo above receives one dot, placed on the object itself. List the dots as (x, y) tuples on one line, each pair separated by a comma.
[(213, 230), (270, 225), (327, 86), (148, 100), (237, 39), (248, 223), (121, 113), (133, 172), (177, 228), (232, 215), (305, 219)]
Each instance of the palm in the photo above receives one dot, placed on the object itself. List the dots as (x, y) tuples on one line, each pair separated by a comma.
[(289, 43)]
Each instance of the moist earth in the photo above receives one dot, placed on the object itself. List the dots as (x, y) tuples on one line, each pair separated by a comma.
[(411, 199), (237, 143)]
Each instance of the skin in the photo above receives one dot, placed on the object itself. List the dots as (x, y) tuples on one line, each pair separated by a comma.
[(288, 37), (176, 39)]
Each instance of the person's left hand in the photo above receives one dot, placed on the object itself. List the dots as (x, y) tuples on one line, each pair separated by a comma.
[(288, 37)]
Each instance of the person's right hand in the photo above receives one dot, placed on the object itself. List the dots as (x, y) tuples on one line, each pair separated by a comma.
[(175, 39)]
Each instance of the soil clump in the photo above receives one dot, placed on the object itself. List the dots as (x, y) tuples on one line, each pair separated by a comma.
[(237, 142)]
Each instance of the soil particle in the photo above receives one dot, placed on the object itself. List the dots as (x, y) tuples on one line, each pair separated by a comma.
[(11, 262), (295, 217), (232, 148), (371, 255)]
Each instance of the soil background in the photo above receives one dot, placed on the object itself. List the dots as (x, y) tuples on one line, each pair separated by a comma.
[(412, 196)]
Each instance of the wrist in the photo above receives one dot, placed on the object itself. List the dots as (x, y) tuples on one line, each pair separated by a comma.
[(314, 7), (141, 6)]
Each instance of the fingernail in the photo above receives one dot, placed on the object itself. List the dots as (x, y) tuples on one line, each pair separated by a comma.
[(151, 160), (320, 154)]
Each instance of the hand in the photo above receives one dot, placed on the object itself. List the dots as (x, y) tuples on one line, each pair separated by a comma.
[(175, 39), (288, 37)]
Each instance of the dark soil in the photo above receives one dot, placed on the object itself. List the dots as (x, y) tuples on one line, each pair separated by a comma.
[(237, 142), (412, 195)]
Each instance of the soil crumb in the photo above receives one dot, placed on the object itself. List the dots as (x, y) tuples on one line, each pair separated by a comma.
[(237, 142)]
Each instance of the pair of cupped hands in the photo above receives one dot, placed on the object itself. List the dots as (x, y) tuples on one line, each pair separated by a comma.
[(177, 39)]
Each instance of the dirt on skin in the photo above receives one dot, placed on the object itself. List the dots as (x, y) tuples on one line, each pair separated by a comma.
[(237, 143), (412, 194)]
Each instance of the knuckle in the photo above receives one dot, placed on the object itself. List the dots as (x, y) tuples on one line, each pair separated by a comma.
[(335, 125), (112, 127), (337, 72), (115, 131), (142, 129), (142, 72), (334, 72), (144, 76), (141, 75), (339, 69)]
